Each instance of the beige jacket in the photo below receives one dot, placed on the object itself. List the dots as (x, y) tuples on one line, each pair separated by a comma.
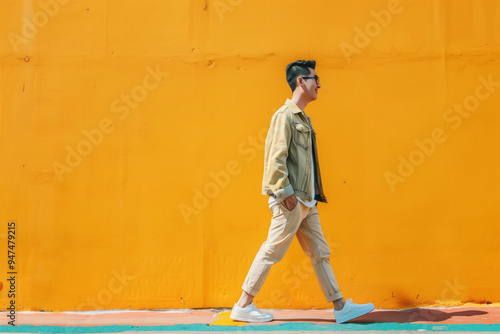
[(287, 160)]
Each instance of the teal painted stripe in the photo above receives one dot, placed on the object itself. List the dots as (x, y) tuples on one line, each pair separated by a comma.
[(254, 328)]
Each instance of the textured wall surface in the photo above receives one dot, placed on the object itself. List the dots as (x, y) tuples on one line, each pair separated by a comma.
[(131, 150)]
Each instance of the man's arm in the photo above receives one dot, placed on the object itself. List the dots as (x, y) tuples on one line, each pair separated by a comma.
[(276, 182)]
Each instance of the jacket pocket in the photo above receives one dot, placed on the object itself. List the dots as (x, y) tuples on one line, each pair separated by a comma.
[(302, 135)]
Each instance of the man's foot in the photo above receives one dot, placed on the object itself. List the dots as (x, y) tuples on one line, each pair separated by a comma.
[(352, 311), (250, 314)]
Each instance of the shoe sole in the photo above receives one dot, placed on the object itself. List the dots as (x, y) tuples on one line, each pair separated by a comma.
[(246, 318), (356, 315)]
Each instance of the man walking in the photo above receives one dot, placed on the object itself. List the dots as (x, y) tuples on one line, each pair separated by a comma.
[(292, 179)]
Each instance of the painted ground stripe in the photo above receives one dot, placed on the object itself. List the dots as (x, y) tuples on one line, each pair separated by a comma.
[(224, 320), (254, 328)]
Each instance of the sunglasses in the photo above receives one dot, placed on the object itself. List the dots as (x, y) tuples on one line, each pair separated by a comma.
[(313, 77)]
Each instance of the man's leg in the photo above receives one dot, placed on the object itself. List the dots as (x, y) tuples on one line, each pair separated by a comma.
[(284, 226), (314, 244), (245, 299)]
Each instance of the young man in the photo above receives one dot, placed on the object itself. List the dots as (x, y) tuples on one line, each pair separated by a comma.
[(292, 180)]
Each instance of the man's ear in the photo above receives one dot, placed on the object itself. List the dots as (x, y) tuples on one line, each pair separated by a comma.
[(298, 82)]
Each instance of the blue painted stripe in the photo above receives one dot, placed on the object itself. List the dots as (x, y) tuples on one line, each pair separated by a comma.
[(254, 328)]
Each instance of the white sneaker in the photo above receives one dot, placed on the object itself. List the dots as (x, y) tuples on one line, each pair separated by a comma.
[(250, 314), (352, 311)]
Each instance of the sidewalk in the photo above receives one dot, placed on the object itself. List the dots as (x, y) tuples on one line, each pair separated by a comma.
[(459, 319)]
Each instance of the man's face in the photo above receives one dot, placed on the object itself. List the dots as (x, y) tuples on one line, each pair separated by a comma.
[(310, 85)]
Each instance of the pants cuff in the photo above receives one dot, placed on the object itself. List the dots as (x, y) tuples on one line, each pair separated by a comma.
[(333, 297), (249, 290)]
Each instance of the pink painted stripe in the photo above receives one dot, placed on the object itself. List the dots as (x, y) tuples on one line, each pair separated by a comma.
[(459, 315), (150, 318)]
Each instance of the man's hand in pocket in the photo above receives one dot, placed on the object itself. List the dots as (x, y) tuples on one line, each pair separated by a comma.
[(291, 202)]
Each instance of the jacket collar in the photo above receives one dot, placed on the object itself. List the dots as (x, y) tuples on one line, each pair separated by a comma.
[(290, 104)]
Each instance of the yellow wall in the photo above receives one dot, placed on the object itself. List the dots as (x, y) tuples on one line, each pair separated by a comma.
[(124, 226)]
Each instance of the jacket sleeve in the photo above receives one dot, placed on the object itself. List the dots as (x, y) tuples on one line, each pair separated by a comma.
[(276, 182)]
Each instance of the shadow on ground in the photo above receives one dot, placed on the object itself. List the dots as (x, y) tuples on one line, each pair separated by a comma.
[(409, 316), (418, 315)]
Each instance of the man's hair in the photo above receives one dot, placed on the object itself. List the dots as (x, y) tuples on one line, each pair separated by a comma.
[(296, 69)]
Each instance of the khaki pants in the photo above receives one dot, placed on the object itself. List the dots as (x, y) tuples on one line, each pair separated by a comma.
[(304, 223)]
